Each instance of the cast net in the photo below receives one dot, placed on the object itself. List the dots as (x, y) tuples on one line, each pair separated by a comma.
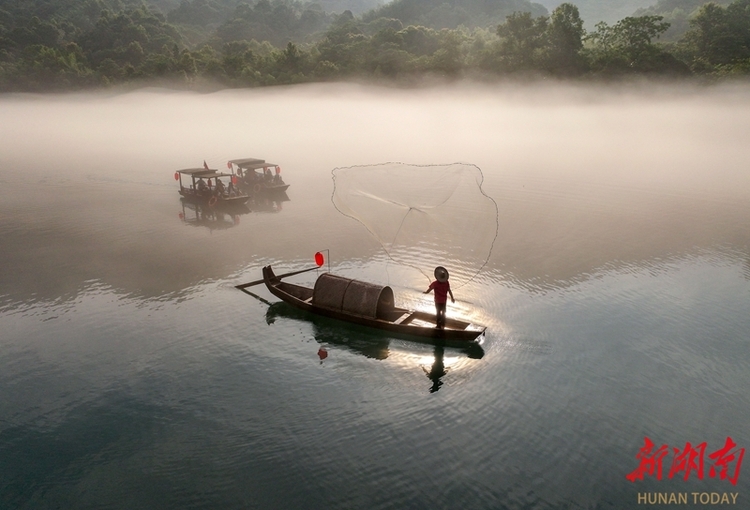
[(422, 215)]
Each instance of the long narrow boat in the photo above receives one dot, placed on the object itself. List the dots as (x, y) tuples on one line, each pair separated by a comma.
[(370, 305)]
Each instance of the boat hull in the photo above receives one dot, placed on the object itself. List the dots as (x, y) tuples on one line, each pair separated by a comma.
[(261, 189), (220, 201)]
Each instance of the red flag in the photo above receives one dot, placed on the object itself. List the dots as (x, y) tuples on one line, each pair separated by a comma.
[(205, 165)]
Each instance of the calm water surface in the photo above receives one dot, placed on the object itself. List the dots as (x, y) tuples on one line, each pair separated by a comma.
[(617, 298)]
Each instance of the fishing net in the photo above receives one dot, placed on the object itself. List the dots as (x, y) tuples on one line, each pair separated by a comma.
[(422, 215)]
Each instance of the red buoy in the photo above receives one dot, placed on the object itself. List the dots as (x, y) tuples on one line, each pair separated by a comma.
[(177, 176), (319, 259), (278, 170), (322, 354)]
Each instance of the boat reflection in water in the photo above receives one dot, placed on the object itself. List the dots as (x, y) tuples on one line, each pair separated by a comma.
[(213, 218), (269, 202), (222, 218), (357, 339), (369, 342)]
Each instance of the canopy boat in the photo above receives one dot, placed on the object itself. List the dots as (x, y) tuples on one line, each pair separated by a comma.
[(256, 177), (369, 305), (207, 187)]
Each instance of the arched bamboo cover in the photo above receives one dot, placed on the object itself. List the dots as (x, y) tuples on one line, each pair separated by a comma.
[(352, 296)]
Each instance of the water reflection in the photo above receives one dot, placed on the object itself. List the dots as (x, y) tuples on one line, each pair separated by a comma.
[(222, 218), (269, 202), (358, 339), (331, 332), (200, 215), (437, 370), (634, 213)]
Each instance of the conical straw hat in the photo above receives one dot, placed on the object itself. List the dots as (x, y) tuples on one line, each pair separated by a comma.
[(441, 274)]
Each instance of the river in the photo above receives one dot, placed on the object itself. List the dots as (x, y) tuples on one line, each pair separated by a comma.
[(615, 290)]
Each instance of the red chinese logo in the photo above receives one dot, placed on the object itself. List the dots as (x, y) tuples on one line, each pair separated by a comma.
[(725, 462)]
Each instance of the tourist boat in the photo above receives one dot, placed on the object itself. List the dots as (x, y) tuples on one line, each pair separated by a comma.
[(256, 176), (369, 305), (202, 189)]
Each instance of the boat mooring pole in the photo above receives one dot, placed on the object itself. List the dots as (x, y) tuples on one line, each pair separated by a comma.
[(256, 282)]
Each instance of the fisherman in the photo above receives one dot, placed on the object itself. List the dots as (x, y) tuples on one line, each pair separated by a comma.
[(202, 185), (442, 289)]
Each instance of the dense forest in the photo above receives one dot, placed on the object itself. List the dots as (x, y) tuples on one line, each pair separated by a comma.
[(73, 44)]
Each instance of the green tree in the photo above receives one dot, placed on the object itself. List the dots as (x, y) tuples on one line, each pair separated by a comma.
[(289, 65), (627, 47), (45, 68), (345, 45), (448, 60), (565, 40), (523, 39), (196, 12), (119, 36), (720, 36), (419, 40)]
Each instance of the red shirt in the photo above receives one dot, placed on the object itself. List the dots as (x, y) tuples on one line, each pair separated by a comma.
[(441, 291)]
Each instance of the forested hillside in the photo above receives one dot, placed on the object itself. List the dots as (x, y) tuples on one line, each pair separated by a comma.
[(69, 44), (609, 11), (677, 13), (453, 13)]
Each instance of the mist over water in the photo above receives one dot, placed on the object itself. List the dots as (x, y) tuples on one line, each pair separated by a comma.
[(616, 295), (595, 176)]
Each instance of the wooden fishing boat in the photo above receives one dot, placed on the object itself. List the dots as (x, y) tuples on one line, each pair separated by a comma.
[(370, 305), (256, 176), (203, 188)]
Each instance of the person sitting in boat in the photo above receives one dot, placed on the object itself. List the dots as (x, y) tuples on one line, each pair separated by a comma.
[(220, 189), (251, 176), (202, 186), (267, 174), (230, 188), (442, 288)]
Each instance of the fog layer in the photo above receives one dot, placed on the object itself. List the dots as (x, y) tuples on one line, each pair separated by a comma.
[(585, 178)]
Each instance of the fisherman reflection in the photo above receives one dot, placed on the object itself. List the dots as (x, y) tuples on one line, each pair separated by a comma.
[(437, 371)]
